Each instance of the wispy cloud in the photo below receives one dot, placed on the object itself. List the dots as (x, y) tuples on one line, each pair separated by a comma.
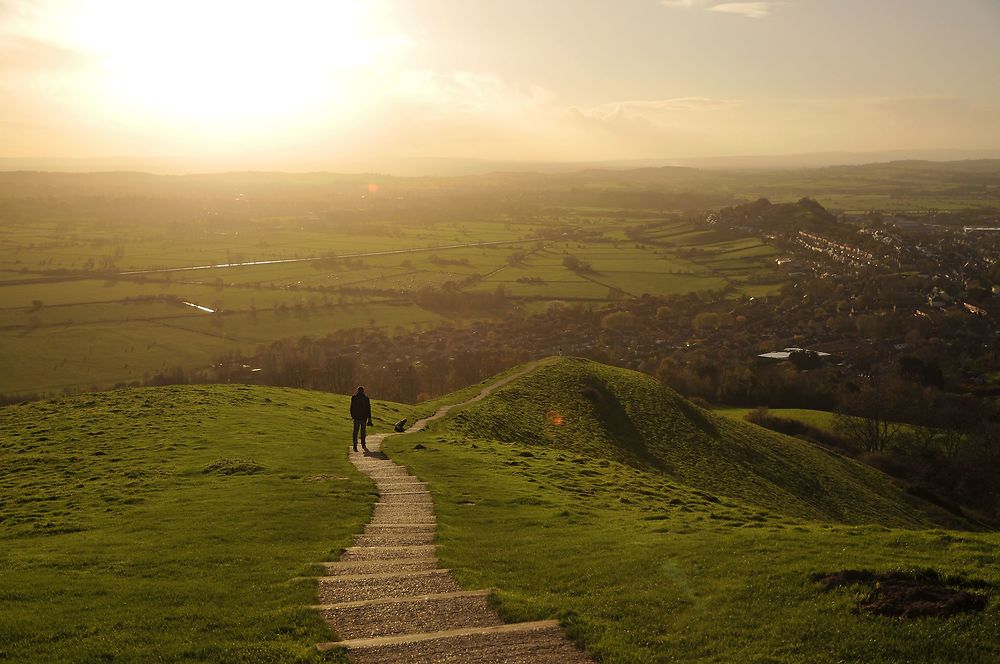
[(650, 108), (747, 9)]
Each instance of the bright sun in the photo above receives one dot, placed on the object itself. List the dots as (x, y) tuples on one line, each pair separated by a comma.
[(227, 63)]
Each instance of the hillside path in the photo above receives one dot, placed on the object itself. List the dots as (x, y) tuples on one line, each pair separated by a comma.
[(392, 604)]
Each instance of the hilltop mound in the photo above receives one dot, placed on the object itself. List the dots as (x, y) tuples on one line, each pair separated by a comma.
[(599, 411), (780, 217)]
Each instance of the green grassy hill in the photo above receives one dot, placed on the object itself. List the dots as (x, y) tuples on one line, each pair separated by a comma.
[(166, 524), (629, 417), (658, 532)]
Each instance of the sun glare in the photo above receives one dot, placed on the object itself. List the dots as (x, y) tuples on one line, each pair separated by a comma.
[(227, 63)]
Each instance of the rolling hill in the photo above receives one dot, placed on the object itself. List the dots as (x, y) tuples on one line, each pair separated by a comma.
[(620, 415), (658, 532), (171, 523)]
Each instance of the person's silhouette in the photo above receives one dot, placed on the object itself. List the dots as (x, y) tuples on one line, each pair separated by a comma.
[(361, 413)]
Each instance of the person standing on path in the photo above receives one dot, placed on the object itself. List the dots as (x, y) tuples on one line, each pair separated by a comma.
[(361, 413)]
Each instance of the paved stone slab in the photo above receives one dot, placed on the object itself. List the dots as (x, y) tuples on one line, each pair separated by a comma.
[(395, 539), (387, 552), (387, 472), (387, 528), (520, 643), (402, 513), (407, 497), (353, 567), (427, 613), (347, 589)]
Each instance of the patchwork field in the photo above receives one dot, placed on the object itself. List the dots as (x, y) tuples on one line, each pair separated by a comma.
[(95, 301)]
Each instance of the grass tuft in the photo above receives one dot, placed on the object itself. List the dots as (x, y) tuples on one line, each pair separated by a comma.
[(233, 466)]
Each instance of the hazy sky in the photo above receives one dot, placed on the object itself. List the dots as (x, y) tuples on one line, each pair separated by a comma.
[(297, 82)]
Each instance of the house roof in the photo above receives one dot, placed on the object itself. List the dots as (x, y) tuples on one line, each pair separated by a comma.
[(786, 353)]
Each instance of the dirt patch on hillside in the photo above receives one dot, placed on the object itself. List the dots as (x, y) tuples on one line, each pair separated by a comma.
[(907, 594)]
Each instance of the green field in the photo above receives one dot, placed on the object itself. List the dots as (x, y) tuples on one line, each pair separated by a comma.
[(821, 419), (84, 254), (91, 302)]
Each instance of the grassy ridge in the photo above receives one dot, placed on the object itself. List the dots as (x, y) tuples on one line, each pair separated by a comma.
[(631, 418), (643, 565), (167, 524)]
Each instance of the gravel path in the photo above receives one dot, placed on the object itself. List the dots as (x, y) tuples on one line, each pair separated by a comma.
[(392, 604)]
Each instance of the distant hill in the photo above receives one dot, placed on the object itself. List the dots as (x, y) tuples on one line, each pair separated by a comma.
[(781, 217), (600, 411), (585, 184), (449, 167)]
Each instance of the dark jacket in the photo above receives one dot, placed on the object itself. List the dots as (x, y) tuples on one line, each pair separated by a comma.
[(361, 407)]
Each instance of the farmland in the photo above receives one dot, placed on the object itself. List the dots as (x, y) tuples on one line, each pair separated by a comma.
[(114, 278), (92, 299)]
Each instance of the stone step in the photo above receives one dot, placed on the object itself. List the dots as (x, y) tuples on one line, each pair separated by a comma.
[(395, 600), (382, 574), (350, 567), (387, 506), (385, 513), (394, 539), (390, 519), (387, 528), (405, 497), (385, 472), (407, 615), (334, 590), (388, 552), (417, 524), (519, 643), (415, 485)]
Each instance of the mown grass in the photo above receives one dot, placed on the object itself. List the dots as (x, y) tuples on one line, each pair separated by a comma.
[(168, 524), (642, 564)]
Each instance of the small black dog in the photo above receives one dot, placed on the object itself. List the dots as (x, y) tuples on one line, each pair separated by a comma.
[(400, 426)]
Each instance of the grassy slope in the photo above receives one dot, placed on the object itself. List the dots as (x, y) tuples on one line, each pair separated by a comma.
[(643, 565), (631, 418), (821, 419), (115, 544)]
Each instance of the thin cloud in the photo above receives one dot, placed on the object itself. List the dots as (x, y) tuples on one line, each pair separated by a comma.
[(748, 9), (644, 109)]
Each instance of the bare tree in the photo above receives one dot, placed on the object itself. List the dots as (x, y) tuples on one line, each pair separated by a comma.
[(872, 415)]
